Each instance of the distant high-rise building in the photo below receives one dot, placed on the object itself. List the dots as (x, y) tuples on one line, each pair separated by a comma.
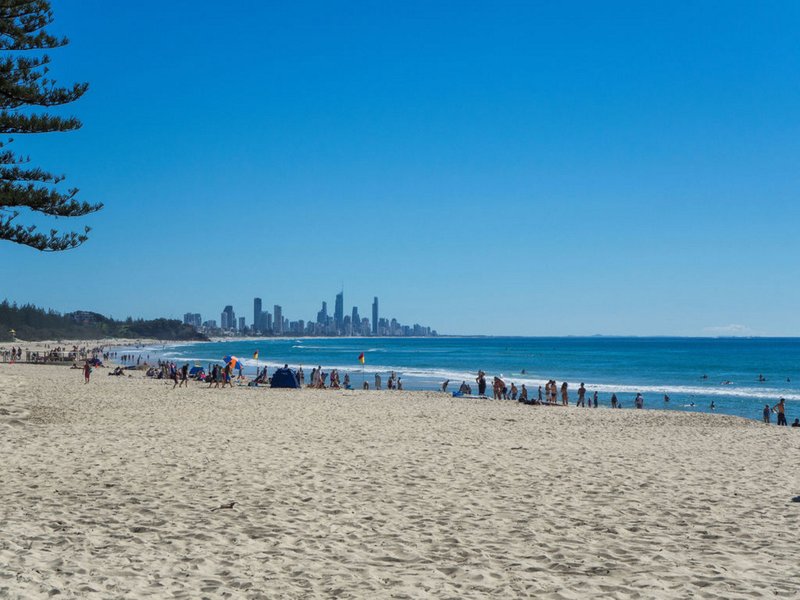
[(242, 324), (228, 318), (338, 312), (192, 319), (322, 315), (267, 321), (257, 316), (356, 321), (277, 319), (375, 316)]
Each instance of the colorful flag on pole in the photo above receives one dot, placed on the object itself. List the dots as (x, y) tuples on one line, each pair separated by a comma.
[(361, 358), (255, 355)]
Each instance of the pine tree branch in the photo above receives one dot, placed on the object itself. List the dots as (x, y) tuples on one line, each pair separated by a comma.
[(28, 236), (44, 200)]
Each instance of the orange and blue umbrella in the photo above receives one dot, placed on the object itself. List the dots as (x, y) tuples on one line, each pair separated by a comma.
[(234, 362)]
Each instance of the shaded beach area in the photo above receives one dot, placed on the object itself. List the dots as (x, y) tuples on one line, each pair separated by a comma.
[(108, 490)]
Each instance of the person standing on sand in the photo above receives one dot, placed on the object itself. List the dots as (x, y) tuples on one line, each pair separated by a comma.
[(639, 401), (613, 401), (523, 394), (226, 375), (497, 388), (481, 380), (540, 394), (581, 396), (377, 381), (767, 413), (564, 394), (444, 385), (595, 399), (87, 372), (780, 408)]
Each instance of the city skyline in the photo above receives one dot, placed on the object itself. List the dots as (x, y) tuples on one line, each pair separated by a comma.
[(275, 323)]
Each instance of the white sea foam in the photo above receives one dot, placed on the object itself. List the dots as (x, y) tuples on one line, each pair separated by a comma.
[(432, 378)]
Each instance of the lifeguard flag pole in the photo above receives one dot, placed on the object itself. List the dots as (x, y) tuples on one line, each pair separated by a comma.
[(363, 378), (255, 355)]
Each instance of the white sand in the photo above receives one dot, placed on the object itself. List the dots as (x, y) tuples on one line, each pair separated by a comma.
[(106, 491)]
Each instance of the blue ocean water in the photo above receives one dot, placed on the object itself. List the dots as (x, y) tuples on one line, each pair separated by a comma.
[(694, 372)]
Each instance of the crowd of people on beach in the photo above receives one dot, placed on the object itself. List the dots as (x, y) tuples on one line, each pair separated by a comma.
[(57, 354), (551, 394)]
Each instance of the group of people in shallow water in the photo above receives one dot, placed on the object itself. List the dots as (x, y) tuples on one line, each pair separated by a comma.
[(780, 410), (547, 396), (550, 396)]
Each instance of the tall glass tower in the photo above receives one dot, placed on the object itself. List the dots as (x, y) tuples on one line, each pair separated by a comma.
[(338, 313), (375, 316)]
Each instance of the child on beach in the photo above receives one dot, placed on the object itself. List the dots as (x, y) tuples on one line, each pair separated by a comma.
[(87, 372)]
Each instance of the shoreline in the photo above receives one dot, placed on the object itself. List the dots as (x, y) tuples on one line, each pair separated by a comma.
[(744, 401)]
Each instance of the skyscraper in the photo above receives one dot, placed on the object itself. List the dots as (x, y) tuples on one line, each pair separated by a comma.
[(356, 322), (228, 318), (257, 317), (338, 313), (375, 316), (277, 320), (322, 316)]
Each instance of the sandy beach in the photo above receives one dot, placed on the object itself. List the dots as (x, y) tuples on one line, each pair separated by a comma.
[(108, 489)]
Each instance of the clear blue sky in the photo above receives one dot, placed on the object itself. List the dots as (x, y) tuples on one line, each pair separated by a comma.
[(530, 168)]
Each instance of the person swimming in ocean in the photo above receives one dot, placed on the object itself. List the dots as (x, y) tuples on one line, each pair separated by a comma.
[(713, 406)]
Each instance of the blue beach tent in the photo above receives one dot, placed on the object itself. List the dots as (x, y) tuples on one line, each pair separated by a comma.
[(284, 378)]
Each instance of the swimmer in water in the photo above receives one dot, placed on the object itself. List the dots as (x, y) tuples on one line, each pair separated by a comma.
[(666, 398), (713, 406)]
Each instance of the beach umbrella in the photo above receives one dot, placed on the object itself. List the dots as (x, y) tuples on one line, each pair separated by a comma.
[(233, 362)]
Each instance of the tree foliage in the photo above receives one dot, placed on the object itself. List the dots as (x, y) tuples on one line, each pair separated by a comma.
[(32, 323), (25, 85)]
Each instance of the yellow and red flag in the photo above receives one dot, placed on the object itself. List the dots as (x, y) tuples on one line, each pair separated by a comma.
[(361, 358), (255, 355)]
